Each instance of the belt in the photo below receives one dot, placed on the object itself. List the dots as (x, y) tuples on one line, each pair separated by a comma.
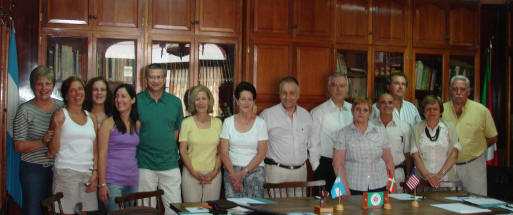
[(401, 165), (270, 161), (466, 162)]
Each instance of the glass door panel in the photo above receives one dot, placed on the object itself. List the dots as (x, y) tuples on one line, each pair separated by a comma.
[(385, 64), (354, 65)]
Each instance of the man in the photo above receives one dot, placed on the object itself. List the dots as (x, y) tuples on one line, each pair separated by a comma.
[(329, 117), (476, 131), (403, 110), (398, 136), (160, 114), (289, 127)]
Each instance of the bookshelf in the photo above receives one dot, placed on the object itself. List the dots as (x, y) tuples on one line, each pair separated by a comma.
[(354, 63), (116, 60), (428, 76), (385, 63)]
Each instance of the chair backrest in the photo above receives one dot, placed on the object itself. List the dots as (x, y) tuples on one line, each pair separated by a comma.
[(136, 211), (49, 204), (294, 189), (141, 199)]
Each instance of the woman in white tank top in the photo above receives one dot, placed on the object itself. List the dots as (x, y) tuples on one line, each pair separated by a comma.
[(74, 148)]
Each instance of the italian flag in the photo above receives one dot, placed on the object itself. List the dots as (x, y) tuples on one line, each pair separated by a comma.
[(486, 100)]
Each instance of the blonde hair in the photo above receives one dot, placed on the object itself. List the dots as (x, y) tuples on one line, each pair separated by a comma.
[(362, 100), (192, 99)]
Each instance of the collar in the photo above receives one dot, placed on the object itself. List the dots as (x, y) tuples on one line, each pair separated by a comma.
[(344, 105), (370, 127), (379, 122), (285, 111), (440, 124), (148, 99)]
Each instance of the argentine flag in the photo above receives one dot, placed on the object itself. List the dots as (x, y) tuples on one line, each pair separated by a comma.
[(13, 159), (338, 188)]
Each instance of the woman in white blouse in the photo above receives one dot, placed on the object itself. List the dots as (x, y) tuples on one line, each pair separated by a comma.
[(435, 144), (243, 147)]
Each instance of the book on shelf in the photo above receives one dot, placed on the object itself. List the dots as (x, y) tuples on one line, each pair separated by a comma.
[(65, 61), (426, 77)]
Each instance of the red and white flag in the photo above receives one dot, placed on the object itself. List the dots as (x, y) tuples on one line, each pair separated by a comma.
[(413, 181)]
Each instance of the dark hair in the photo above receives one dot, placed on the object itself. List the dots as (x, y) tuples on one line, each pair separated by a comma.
[(133, 112), (429, 100), (245, 86), (88, 102), (153, 66), (66, 84), (289, 79), (391, 76)]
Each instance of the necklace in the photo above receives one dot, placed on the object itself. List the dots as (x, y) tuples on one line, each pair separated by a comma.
[(436, 134)]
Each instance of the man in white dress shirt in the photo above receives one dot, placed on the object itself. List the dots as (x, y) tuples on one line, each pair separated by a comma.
[(328, 118)]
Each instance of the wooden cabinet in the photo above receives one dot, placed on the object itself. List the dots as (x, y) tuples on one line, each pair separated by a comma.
[(389, 22), (271, 17), (352, 17), (430, 23), (314, 18), (312, 66), (463, 24), (92, 13), (218, 18)]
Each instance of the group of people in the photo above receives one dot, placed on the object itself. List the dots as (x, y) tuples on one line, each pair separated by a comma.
[(97, 145)]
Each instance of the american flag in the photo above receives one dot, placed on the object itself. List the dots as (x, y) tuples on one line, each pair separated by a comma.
[(413, 181)]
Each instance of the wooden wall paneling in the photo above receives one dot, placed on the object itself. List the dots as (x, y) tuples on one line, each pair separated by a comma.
[(65, 13), (271, 61), (446, 79), (508, 84), (4, 47), (389, 22), (119, 13), (313, 66), (171, 15), (463, 24), (313, 19), (271, 17), (352, 21), (430, 23), (222, 16)]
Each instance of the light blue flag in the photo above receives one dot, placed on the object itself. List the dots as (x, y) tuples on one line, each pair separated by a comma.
[(13, 159), (338, 188)]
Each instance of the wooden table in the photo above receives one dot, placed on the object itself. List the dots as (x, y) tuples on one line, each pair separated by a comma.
[(353, 205)]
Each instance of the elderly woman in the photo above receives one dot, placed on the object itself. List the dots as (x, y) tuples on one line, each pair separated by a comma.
[(199, 140), (98, 99), (243, 147), (31, 140), (362, 152), (118, 138), (74, 149), (435, 143)]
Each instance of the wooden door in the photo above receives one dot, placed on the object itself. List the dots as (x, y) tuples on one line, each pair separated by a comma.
[(271, 17), (171, 15), (65, 13), (389, 22), (352, 21), (223, 16), (119, 13), (430, 23), (314, 18), (313, 66), (270, 63), (463, 24)]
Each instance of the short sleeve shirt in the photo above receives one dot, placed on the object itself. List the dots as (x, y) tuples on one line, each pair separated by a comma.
[(201, 143), (364, 166), (157, 149), (408, 113), (399, 134)]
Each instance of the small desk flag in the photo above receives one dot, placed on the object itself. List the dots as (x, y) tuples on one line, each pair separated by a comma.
[(391, 185), (413, 181), (338, 188)]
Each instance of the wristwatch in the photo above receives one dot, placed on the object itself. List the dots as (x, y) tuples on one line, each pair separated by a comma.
[(246, 170), (101, 185)]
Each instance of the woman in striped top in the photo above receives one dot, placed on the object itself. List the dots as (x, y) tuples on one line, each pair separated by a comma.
[(31, 137)]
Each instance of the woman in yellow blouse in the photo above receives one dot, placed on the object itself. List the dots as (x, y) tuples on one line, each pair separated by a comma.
[(199, 138)]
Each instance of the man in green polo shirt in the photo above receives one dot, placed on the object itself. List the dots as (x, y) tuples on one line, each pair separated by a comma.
[(476, 131), (160, 114)]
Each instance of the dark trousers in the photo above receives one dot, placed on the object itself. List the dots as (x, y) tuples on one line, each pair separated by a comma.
[(325, 171), (36, 184), (357, 192)]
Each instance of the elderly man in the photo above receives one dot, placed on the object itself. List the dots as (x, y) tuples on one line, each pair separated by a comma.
[(329, 117), (398, 137), (403, 110), (476, 131), (289, 127)]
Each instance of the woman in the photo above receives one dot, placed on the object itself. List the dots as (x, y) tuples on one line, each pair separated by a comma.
[(362, 152), (435, 144), (74, 148), (31, 140), (243, 147), (117, 142), (98, 99), (199, 139)]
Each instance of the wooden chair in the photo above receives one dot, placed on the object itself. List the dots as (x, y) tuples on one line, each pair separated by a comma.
[(138, 200), (137, 211), (49, 203), (294, 189)]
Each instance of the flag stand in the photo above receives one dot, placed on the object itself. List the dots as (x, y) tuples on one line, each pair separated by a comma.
[(340, 206), (415, 203)]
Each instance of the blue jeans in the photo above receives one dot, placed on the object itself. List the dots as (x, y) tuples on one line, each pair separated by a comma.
[(117, 191), (36, 184)]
